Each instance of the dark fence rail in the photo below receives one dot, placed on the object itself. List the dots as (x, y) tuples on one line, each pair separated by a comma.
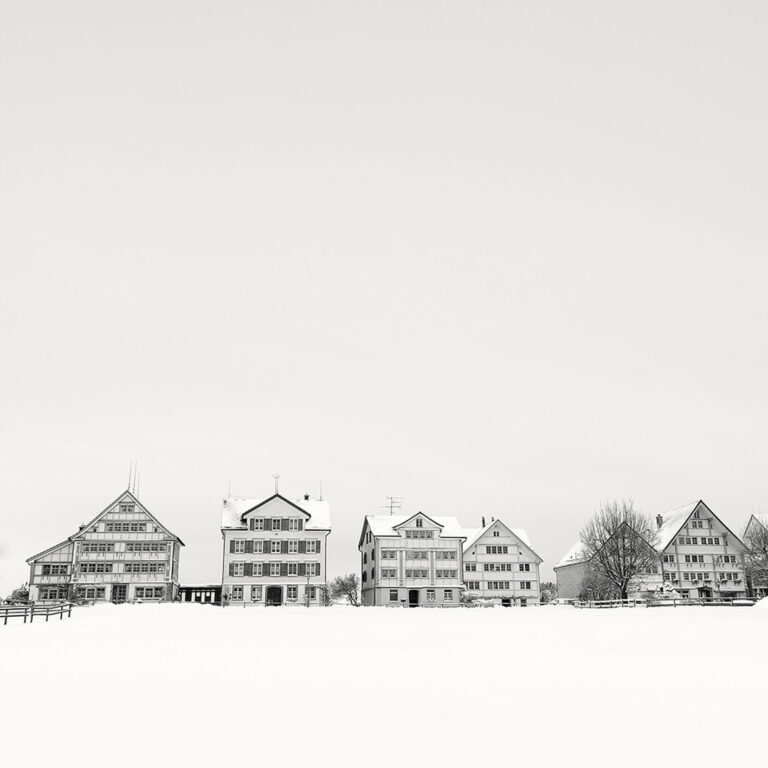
[(30, 610), (667, 602)]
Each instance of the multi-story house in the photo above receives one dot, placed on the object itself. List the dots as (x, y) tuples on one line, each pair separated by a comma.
[(698, 556), (411, 560), (756, 539), (501, 565), (275, 550), (124, 553)]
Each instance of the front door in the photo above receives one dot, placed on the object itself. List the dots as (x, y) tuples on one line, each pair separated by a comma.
[(413, 597), (274, 595), (119, 593)]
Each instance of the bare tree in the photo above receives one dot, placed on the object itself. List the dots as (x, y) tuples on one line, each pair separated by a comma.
[(596, 586), (619, 544), (756, 557), (346, 587), (548, 592)]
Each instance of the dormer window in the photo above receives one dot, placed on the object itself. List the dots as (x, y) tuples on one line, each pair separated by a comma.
[(419, 522), (495, 533), (127, 509)]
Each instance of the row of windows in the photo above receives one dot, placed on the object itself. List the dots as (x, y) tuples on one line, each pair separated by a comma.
[(149, 593), (696, 576), (418, 554), (498, 585), (497, 549), (275, 546), (422, 534), (416, 573), (719, 559), (471, 567), (55, 570), (257, 593), (275, 569), (394, 595), (91, 593), (700, 524), (450, 573), (705, 540), (53, 593), (96, 567), (276, 524), (145, 546), (133, 527), (97, 546), (144, 567)]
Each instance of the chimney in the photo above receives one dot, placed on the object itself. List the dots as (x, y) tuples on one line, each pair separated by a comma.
[(483, 519), (306, 497), (80, 528), (659, 521)]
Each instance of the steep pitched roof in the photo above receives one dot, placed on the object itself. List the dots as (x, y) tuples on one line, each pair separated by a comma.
[(386, 525), (317, 510), (474, 534), (49, 550), (576, 554), (672, 522)]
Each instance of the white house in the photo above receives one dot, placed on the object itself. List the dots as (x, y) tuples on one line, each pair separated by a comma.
[(756, 534), (501, 564), (698, 556), (124, 553), (413, 560), (274, 550)]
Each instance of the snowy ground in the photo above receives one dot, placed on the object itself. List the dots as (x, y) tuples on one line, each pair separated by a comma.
[(176, 685)]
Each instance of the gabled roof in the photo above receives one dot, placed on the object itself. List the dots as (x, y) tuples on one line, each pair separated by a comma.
[(474, 534), (84, 529), (317, 510), (122, 497), (673, 521), (760, 518), (576, 554), (387, 525)]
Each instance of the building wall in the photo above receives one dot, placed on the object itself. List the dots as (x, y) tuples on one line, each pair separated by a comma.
[(250, 588), (435, 556), (569, 579), (500, 566)]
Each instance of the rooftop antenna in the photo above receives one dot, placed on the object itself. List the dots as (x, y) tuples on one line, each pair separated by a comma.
[(135, 475), (276, 478), (393, 503), (130, 472), (138, 484), (321, 491)]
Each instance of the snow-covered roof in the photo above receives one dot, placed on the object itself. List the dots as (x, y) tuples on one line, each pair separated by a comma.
[(384, 525), (233, 508), (473, 534), (672, 522), (576, 554)]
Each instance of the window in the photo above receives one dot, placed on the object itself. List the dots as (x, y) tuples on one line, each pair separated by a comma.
[(388, 554), (496, 549), (294, 524), (258, 569), (419, 524), (422, 534), (53, 593), (138, 567), (293, 592), (312, 547), (237, 593), (293, 569), (107, 546), (99, 567), (91, 593), (430, 595), (293, 546), (389, 573), (365, 577), (239, 546), (495, 533), (445, 555), (275, 547), (55, 570), (445, 574), (255, 592), (525, 567), (148, 593), (274, 569), (127, 509), (258, 547), (238, 569), (470, 566), (473, 585), (416, 573), (313, 569), (525, 585), (668, 558), (393, 596), (276, 524), (416, 555), (312, 593), (257, 524)]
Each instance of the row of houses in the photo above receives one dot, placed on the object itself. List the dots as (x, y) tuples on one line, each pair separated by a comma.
[(697, 556), (275, 552)]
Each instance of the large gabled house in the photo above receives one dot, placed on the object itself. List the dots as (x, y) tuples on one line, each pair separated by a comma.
[(698, 557), (274, 550), (501, 565), (124, 553), (413, 560)]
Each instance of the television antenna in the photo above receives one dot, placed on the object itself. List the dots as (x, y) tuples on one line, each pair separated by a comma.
[(393, 503)]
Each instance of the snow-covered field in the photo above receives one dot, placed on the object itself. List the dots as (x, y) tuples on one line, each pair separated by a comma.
[(176, 685)]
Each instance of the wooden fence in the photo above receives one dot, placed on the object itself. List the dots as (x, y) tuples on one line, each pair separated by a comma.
[(31, 610), (665, 602)]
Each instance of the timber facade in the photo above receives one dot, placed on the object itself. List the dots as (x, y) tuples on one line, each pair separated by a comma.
[(123, 554)]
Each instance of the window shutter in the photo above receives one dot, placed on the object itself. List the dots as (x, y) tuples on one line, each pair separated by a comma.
[(284, 524), (302, 547), (283, 569), (302, 569), (317, 544), (250, 524), (231, 569), (231, 547), (267, 523), (301, 525), (249, 569), (249, 547), (284, 547)]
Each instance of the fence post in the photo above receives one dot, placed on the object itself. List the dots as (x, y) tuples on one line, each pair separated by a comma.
[(47, 613)]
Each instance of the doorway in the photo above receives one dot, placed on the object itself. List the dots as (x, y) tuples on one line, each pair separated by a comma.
[(119, 593), (274, 596), (413, 597)]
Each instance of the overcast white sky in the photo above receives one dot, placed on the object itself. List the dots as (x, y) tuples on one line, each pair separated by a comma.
[(497, 258)]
